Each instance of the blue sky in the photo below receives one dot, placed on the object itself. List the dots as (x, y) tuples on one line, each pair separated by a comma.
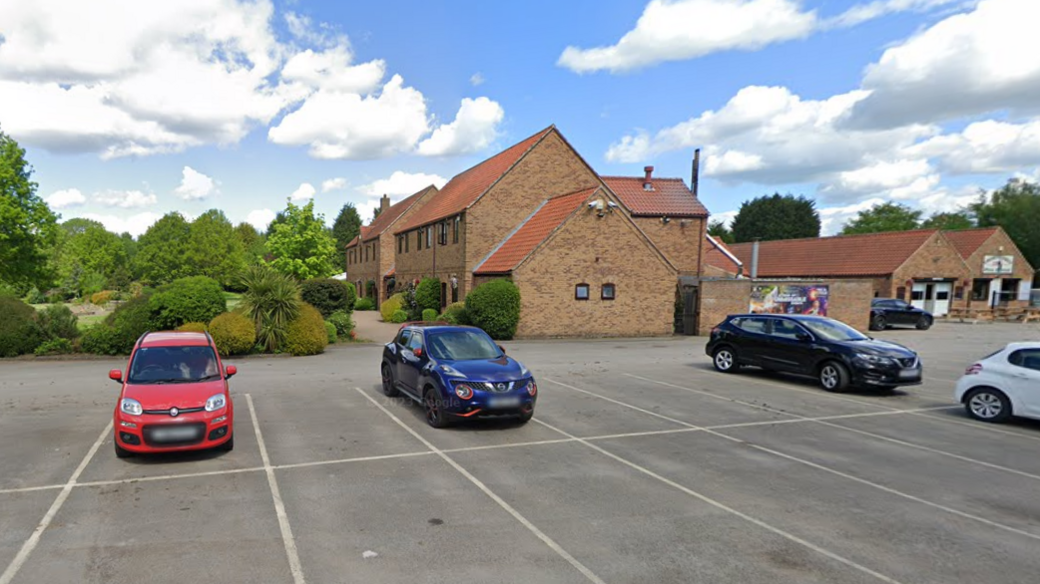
[(129, 112)]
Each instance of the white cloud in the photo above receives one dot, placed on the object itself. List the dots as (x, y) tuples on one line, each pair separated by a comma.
[(65, 198), (861, 13), (474, 128), (833, 218), (260, 218), (135, 225), (333, 184), (195, 185), (124, 199), (900, 179), (402, 184), (303, 192), (985, 147), (477, 79)]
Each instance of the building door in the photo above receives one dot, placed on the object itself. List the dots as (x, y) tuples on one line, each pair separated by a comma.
[(689, 318), (933, 297), (943, 293)]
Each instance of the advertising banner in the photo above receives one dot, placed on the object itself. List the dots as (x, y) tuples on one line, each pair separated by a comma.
[(789, 299), (998, 264)]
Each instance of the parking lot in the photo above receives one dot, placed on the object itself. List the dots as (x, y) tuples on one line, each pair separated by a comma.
[(641, 465)]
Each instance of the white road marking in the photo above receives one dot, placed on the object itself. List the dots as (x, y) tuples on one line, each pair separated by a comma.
[(592, 577), (34, 539), (816, 466), (719, 505), (279, 506), (30, 489)]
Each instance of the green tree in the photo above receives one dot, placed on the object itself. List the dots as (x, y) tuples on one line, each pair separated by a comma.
[(882, 218), (376, 212), (1015, 207), (346, 228), (301, 245), (251, 240), (718, 230), (214, 249), (776, 217), (86, 247), (949, 221), (27, 225), (162, 251)]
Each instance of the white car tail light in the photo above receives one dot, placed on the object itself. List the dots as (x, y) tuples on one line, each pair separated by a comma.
[(974, 369)]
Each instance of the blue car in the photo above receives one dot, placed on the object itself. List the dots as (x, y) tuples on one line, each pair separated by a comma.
[(456, 372)]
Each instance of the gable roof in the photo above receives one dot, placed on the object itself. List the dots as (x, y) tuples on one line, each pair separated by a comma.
[(392, 214), (466, 187), (360, 236), (719, 256), (872, 254), (669, 197), (519, 244), (968, 241)]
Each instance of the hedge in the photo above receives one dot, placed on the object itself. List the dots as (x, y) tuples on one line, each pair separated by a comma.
[(328, 295), (57, 322), (306, 335), (330, 330), (121, 329), (57, 346), (343, 323), (233, 333), (428, 295), (364, 303), (429, 315), (455, 313), (194, 299), (495, 307), (390, 306), (192, 327), (19, 333), (399, 316)]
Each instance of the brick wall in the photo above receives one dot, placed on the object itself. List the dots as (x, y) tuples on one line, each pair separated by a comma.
[(682, 245), (438, 261), (593, 250), (1022, 270), (849, 300), (363, 270)]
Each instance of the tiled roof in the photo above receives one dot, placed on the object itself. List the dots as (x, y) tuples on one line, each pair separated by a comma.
[(968, 241), (387, 218), (357, 239), (669, 197), (718, 255), (391, 271), (532, 232), (462, 190), (874, 254)]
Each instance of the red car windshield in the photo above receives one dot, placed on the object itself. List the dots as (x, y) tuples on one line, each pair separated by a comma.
[(158, 365)]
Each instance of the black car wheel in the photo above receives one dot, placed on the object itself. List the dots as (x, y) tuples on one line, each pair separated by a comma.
[(389, 389), (435, 415), (122, 452), (988, 405), (878, 323), (834, 376), (924, 323), (725, 360)]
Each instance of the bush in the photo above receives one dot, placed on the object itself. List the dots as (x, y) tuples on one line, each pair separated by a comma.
[(192, 327), (455, 313), (57, 322), (343, 323), (328, 295), (57, 346), (399, 316), (271, 300), (19, 333), (429, 315), (330, 330), (495, 307), (428, 295), (103, 297), (194, 299), (35, 296), (233, 333), (364, 304), (120, 330), (306, 334), (390, 306), (55, 298)]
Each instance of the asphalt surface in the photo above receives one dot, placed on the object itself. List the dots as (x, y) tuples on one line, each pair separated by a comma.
[(641, 465)]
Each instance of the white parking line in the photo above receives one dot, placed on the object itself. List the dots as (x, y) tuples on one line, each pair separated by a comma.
[(279, 506), (816, 466), (728, 509), (30, 489), (34, 539), (501, 503)]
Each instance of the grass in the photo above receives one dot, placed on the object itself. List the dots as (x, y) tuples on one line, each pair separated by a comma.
[(233, 298), (88, 320)]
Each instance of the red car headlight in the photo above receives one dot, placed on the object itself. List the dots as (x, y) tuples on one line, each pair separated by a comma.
[(463, 391)]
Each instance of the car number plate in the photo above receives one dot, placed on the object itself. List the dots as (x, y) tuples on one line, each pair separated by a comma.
[(909, 373), (504, 402), (174, 434)]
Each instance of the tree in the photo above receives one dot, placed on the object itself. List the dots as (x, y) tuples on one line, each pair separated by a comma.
[(949, 221), (376, 212), (718, 230), (27, 225), (162, 250), (882, 218), (346, 228), (87, 254), (251, 240), (214, 249), (1015, 207), (776, 217), (301, 245)]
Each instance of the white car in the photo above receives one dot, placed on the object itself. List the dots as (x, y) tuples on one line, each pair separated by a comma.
[(1005, 384)]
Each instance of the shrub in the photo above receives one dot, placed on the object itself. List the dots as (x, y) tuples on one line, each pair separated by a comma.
[(328, 295), (306, 334), (19, 333), (429, 315), (57, 322), (271, 300), (330, 330), (136, 288), (370, 288), (343, 323), (233, 333), (495, 307), (399, 316), (455, 313), (192, 327), (194, 299), (35, 296), (364, 304), (390, 306), (428, 295), (57, 346), (103, 297), (120, 330), (55, 298), (410, 304)]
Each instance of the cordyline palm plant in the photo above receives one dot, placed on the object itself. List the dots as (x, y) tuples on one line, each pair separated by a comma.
[(270, 300)]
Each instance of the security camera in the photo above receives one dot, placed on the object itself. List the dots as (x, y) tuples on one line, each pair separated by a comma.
[(612, 204), (665, 220)]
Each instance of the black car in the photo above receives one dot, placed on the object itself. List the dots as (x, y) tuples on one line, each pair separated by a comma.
[(886, 312), (831, 351)]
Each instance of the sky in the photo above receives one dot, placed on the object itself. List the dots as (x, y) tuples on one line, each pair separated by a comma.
[(129, 110)]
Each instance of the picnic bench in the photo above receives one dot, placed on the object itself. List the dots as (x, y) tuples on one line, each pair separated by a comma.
[(973, 315), (1005, 313)]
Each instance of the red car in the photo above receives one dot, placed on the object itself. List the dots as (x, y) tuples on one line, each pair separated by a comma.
[(175, 396)]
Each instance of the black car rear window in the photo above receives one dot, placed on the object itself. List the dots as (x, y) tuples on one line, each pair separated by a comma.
[(173, 365), (753, 325)]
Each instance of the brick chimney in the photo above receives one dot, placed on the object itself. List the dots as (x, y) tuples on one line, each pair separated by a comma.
[(648, 182), (384, 203)]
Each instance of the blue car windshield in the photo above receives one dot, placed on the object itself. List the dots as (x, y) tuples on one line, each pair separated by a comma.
[(833, 330), (157, 365), (462, 346)]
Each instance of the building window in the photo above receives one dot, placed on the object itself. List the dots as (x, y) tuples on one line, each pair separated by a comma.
[(442, 235), (418, 239), (429, 236), (400, 244), (455, 234), (581, 292), (608, 292), (901, 292), (980, 290)]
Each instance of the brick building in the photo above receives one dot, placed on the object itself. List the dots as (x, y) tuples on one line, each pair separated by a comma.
[(1000, 274)]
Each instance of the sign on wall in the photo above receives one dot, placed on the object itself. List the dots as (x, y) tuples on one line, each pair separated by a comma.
[(789, 299), (998, 264)]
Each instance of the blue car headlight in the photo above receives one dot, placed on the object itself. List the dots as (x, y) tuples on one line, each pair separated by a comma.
[(868, 359), (450, 371)]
